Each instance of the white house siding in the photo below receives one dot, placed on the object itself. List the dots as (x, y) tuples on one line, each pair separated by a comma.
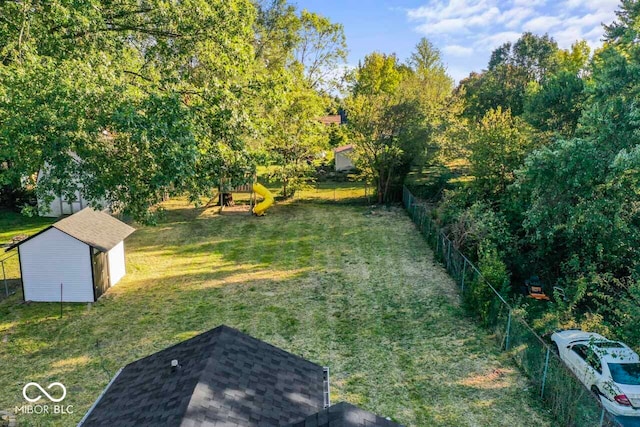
[(51, 258), (61, 206), (117, 268)]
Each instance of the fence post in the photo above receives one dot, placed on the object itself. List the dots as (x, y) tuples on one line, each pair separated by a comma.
[(506, 345), (449, 255), (544, 373), (602, 418), (464, 271), (4, 277), (437, 243)]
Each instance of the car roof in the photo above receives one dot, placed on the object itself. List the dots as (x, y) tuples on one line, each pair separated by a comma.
[(618, 355), (575, 335)]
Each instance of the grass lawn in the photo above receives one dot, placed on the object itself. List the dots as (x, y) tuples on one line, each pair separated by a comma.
[(13, 224), (346, 286)]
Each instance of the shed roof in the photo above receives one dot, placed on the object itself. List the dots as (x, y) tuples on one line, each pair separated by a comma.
[(343, 148), (225, 378), (95, 228), (344, 415)]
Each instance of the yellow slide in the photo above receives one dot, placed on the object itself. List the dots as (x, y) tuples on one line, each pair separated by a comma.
[(261, 207)]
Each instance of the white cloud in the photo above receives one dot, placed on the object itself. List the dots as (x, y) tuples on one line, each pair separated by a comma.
[(512, 18), (530, 3), (443, 26), (457, 50), (457, 73), (541, 24), (592, 4), (470, 29), (495, 40)]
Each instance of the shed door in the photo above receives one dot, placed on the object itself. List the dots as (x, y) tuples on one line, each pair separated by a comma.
[(100, 265)]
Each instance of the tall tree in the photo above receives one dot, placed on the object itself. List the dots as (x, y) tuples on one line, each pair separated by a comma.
[(151, 97), (511, 68), (396, 112), (322, 47), (555, 104), (498, 146)]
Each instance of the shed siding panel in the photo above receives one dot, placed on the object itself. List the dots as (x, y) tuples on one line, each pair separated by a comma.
[(52, 258), (343, 162), (117, 268)]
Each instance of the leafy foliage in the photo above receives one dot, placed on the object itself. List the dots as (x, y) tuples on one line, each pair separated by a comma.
[(562, 189), (128, 101), (396, 114)]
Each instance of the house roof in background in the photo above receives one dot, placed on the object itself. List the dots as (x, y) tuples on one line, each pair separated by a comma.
[(331, 119), (95, 228), (342, 148), (344, 415), (225, 378)]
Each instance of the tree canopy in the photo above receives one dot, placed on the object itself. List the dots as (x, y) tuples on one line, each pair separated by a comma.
[(128, 101)]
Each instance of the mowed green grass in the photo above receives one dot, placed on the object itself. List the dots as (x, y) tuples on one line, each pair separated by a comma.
[(351, 287), (13, 224)]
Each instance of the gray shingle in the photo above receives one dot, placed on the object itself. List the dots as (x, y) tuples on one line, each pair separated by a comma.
[(344, 415), (97, 229), (226, 378)]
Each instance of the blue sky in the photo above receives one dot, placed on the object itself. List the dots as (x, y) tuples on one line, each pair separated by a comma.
[(465, 31)]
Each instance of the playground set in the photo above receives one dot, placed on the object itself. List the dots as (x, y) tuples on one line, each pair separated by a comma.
[(254, 188)]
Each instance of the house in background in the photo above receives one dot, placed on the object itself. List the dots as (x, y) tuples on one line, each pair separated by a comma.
[(75, 259), (61, 204), (342, 158), (333, 119), (223, 378)]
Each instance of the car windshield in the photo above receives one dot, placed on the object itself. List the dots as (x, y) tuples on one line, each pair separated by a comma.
[(625, 373)]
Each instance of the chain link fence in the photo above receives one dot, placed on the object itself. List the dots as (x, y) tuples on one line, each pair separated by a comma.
[(9, 274), (572, 404)]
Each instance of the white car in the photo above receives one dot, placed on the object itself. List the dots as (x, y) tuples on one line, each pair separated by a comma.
[(608, 368)]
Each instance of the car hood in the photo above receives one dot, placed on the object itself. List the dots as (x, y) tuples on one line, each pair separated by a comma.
[(632, 392)]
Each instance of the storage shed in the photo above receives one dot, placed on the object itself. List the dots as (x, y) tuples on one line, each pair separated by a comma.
[(343, 158), (84, 252)]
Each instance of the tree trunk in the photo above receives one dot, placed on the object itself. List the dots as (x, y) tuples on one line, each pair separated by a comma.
[(380, 186), (386, 187)]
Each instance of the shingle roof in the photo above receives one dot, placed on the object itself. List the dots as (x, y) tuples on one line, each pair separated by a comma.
[(97, 229), (344, 415), (225, 378)]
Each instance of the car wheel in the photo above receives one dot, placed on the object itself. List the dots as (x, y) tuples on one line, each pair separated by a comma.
[(595, 391), (555, 348)]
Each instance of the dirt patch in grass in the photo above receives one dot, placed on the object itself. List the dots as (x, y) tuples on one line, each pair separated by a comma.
[(357, 292)]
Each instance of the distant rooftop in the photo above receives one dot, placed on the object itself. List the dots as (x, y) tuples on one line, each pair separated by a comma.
[(343, 148), (331, 119)]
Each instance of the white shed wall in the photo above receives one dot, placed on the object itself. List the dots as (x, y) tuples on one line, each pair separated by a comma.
[(343, 162), (117, 268), (51, 258)]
